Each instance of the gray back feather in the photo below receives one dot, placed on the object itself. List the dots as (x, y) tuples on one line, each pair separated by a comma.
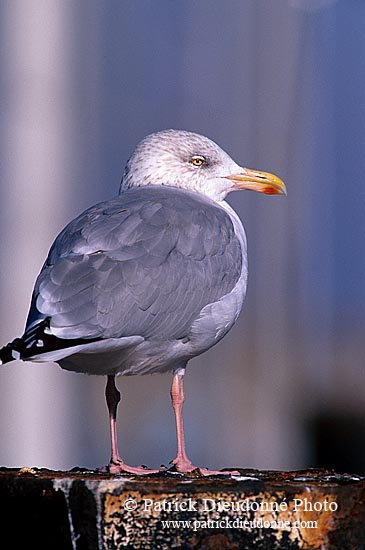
[(144, 263)]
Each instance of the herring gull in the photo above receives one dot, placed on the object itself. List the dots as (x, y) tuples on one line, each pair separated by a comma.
[(144, 282)]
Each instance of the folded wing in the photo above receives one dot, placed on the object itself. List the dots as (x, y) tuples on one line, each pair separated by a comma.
[(144, 263)]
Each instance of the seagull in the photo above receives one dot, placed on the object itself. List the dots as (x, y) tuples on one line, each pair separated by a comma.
[(144, 282)]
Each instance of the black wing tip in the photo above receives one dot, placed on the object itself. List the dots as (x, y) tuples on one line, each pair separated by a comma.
[(37, 340), (12, 351)]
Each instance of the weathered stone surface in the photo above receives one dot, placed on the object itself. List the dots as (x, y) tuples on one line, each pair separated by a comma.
[(85, 510)]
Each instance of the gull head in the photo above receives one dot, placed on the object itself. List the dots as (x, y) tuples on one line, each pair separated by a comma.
[(190, 161)]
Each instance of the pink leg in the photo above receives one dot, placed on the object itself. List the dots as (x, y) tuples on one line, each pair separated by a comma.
[(182, 462), (117, 465)]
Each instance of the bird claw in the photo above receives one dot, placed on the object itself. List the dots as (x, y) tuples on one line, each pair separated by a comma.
[(207, 472), (185, 466), (119, 467)]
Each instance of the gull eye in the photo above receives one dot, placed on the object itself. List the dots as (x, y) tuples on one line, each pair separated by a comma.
[(198, 160)]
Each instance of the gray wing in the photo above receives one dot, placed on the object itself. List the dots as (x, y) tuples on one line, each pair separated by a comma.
[(144, 263)]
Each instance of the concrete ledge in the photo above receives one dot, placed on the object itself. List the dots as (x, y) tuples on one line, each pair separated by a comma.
[(259, 510)]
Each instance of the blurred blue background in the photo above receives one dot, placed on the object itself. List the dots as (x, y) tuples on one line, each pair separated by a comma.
[(281, 87)]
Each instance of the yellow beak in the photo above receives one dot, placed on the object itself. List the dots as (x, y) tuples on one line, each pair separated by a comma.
[(263, 182)]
